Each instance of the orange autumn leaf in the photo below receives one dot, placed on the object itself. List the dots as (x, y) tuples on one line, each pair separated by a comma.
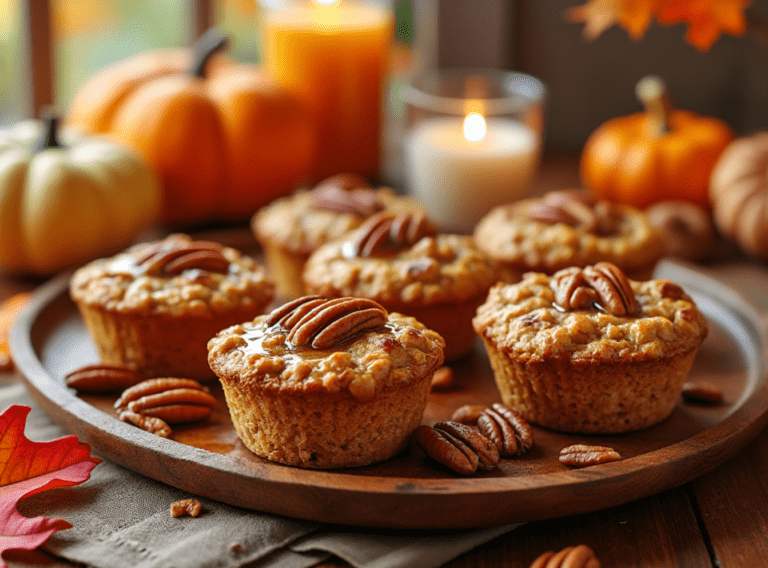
[(27, 468), (9, 309), (598, 15), (706, 19)]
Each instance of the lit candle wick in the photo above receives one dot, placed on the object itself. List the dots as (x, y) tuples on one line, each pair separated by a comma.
[(474, 127)]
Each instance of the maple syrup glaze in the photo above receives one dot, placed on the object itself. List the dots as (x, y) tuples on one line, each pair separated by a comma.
[(275, 338)]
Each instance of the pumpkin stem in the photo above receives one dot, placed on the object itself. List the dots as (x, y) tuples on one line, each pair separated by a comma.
[(652, 92), (209, 43), (49, 137)]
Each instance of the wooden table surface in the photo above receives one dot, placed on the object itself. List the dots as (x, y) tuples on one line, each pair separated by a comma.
[(717, 520)]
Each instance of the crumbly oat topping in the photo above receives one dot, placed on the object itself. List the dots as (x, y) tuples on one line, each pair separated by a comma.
[(441, 269), (363, 365), (522, 320), (293, 223), (510, 235), (119, 284)]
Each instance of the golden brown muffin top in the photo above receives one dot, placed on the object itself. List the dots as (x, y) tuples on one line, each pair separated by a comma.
[(268, 354), (568, 228), (434, 270), (306, 220), (525, 321), (175, 276)]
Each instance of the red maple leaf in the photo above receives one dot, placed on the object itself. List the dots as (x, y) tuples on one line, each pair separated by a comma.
[(29, 467)]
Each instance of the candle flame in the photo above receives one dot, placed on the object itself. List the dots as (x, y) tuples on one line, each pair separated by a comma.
[(326, 2), (474, 127)]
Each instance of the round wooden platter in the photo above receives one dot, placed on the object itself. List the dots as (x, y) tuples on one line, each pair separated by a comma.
[(410, 490)]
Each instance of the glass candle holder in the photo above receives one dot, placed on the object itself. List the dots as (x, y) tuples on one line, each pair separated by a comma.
[(334, 55), (474, 141)]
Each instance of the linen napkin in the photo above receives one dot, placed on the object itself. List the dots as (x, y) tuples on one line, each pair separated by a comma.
[(121, 520)]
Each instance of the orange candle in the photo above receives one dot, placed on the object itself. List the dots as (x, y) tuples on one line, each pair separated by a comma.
[(334, 55)]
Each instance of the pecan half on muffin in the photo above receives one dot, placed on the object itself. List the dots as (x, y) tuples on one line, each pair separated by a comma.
[(291, 228), (568, 228), (155, 306), (402, 262), (322, 383), (588, 350)]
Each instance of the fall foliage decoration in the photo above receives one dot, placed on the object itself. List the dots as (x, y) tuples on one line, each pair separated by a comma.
[(224, 138), (27, 468), (706, 19), (739, 194), (9, 309), (660, 154)]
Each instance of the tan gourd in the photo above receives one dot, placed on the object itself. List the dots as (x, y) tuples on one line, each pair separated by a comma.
[(739, 193)]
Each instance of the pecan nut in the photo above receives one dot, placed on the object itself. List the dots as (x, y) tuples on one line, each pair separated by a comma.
[(457, 446), (151, 424), (173, 256), (442, 379), (170, 399), (386, 232), (701, 391), (346, 193), (323, 323), (345, 181), (288, 314), (671, 291), (103, 378), (467, 414), (153, 386), (582, 455), (188, 507), (510, 432), (612, 287), (571, 208), (572, 292), (603, 285), (581, 556)]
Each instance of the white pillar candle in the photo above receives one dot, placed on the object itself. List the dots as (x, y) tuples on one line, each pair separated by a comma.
[(459, 173)]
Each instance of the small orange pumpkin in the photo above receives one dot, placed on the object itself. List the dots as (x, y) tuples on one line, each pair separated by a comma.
[(223, 137), (661, 154)]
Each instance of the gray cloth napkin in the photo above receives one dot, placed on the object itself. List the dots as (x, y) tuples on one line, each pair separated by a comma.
[(121, 520)]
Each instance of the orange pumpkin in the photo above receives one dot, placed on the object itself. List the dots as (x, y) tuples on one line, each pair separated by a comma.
[(658, 155), (223, 137)]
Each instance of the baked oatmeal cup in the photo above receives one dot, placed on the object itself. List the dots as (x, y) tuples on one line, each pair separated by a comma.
[(324, 384), (291, 228), (588, 350), (401, 262), (155, 306), (568, 228)]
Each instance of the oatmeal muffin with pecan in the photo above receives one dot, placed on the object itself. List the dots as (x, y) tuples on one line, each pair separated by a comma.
[(402, 262), (291, 228), (568, 228), (323, 383), (588, 350), (155, 306)]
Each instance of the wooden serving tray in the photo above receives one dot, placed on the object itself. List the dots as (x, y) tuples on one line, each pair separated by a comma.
[(410, 491)]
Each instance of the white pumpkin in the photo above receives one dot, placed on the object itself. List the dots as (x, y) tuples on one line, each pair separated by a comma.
[(66, 198)]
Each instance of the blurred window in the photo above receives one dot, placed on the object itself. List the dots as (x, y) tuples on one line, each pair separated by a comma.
[(88, 35), (11, 89)]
